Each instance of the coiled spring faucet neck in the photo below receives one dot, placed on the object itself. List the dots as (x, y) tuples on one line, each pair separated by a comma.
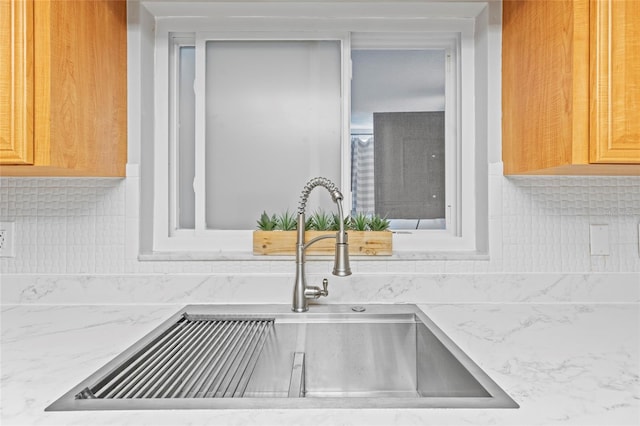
[(341, 259), (336, 195)]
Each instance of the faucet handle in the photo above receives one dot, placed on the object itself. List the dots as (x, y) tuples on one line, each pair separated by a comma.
[(315, 292)]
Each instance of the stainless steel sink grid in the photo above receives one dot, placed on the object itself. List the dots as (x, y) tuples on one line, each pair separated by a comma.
[(199, 356), (265, 356)]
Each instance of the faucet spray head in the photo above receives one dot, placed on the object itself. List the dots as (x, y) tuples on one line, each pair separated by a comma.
[(341, 266)]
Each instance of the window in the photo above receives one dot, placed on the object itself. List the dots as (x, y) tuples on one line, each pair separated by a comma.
[(263, 127), (248, 107), (398, 140)]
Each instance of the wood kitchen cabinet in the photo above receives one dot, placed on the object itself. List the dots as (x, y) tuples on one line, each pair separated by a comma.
[(571, 87), (16, 82), (64, 88)]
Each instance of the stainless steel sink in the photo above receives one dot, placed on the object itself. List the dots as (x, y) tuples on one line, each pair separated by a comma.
[(265, 356)]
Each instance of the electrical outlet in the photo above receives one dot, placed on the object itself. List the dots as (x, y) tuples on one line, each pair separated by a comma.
[(599, 240), (6, 239)]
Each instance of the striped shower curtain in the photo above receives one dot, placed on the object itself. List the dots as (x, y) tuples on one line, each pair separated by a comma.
[(362, 179)]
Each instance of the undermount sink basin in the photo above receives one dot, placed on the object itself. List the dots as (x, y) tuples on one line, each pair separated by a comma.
[(265, 356)]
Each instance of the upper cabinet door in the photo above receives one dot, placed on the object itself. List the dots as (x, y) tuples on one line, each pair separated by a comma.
[(16, 82), (615, 81), (63, 87), (545, 86), (571, 87)]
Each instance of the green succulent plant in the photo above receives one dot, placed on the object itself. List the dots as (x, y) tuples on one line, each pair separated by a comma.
[(377, 223), (308, 225), (359, 222), (321, 221), (335, 225), (287, 221), (266, 222)]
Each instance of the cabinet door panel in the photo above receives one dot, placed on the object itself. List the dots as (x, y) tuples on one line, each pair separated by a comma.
[(16, 82), (615, 79)]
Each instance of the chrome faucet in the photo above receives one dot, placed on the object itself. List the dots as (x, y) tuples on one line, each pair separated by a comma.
[(341, 258)]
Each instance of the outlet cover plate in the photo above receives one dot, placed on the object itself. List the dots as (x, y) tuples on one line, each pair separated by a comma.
[(599, 239), (7, 234)]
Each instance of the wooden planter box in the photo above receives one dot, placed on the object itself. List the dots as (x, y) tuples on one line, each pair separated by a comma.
[(361, 243)]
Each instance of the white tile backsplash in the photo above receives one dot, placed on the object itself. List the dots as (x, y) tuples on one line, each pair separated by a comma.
[(537, 224)]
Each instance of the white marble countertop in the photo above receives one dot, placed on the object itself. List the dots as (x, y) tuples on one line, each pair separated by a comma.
[(573, 364)]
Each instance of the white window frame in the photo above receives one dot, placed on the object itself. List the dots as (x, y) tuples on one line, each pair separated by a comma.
[(450, 44), (368, 32), (170, 238)]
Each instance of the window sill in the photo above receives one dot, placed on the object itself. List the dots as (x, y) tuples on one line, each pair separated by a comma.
[(249, 256)]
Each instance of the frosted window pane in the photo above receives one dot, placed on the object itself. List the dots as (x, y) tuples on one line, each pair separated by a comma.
[(186, 138), (272, 122)]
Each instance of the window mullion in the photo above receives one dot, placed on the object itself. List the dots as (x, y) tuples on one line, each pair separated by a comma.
[(345, 159), (174, 49), (452, 175), (200, 132)]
